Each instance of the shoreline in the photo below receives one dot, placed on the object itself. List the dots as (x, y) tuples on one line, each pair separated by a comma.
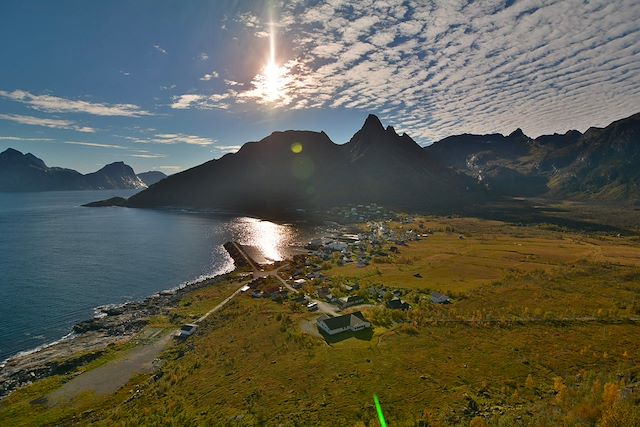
[(89, 339), (111, 324)]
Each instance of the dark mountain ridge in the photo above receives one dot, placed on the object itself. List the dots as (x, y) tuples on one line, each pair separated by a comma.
[(306, 170), (294, 170), (26, 172), (602, 163), (151, 177)]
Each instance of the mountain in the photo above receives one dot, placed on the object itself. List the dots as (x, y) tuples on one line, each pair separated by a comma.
[(26, 172), (601, 164), (151, 177), (306, 170), (604, 164)]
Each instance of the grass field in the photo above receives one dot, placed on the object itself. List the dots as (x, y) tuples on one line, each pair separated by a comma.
[(543, 331), (489, 251)]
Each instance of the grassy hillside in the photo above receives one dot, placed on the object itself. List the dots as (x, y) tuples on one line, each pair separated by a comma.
[(543, 330)]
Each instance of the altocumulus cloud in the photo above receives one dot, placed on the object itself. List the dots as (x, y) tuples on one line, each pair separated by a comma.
[(438, 68)]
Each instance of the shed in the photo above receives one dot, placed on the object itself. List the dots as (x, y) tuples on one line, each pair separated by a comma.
[(438, 298)]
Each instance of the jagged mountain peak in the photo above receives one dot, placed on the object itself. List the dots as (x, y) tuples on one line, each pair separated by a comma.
[(518, 133), (11, 155), (372, 124)]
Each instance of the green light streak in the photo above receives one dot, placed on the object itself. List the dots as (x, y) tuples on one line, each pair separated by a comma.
[(383, 423)]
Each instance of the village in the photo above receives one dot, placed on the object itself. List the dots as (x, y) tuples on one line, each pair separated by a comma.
[(303, 284)]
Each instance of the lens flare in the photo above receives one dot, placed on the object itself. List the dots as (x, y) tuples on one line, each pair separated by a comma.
[(296, 148)]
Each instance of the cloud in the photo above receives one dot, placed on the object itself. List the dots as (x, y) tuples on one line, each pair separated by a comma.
[(148, 156), (54, 104), (212, 75), (228, 148), (438, 68), (20, 138), (94, 144), (159, 49), (203, 102), (248, 20), (183, 102), (179, 138), (172, 138), (50, 123)]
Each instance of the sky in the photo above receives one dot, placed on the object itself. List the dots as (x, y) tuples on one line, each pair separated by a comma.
[(167, 85)]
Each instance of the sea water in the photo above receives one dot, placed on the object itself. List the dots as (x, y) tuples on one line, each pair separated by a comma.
[(58, 260)]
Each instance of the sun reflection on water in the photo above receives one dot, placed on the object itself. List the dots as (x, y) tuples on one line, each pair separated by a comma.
[(269, 238)]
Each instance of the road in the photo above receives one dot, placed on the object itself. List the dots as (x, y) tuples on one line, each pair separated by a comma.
[(108, 378), (223, 303)]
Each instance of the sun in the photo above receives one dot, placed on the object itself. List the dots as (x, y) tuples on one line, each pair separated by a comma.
[(273, 80), (273, 75)]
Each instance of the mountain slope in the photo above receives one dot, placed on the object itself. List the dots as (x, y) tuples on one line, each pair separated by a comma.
[(599, 164), (151, 177), (604, 163), (300, 169), (26, 172)]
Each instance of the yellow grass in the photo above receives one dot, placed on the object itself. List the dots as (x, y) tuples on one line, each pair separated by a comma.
[(489, 251)]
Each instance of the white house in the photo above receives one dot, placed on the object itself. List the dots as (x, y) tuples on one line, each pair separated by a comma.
[(348, 322)]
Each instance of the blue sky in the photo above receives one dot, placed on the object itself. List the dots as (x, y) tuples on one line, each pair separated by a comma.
[(170, 84)]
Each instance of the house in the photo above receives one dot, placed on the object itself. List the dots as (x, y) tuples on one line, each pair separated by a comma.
[(336, 246), (300, 299), (438, 298), (186, 331), (345, 302), (398, 304), (324, 293), (298, 283), (280, 295), (348, 322), (377, 293)]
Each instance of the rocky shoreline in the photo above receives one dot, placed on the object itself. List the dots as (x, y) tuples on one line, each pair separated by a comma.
[(90, 338)]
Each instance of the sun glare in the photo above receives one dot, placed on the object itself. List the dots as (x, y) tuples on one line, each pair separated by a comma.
[(274, 76), (273, 80)]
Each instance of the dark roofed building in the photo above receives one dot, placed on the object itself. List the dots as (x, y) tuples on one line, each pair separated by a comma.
[(438, 298), (350, 300), (348, 322), (398, 304)]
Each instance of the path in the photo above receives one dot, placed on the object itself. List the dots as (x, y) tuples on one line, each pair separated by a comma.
[(108, 378), (223, 303)]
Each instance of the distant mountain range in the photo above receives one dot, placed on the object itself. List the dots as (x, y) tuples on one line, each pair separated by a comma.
[(306, 170), (151, 177), (300, 170), (295, 170), (26, 172), (601, 164)]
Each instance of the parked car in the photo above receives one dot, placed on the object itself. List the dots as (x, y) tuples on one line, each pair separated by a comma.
[(186, 330), (312, 306)]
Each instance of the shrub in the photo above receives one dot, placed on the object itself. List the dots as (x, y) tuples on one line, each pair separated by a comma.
[(478, 422), (610, 394)]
